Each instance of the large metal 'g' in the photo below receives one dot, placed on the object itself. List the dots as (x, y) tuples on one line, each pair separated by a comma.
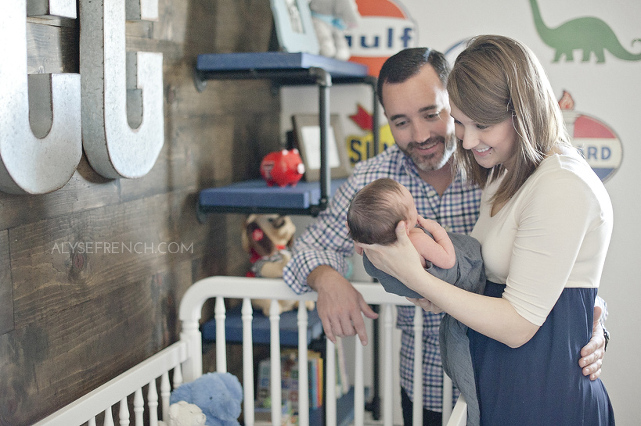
[(112, 147), (31, 164)]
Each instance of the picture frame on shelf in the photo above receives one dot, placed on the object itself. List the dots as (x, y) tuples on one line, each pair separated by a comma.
[(307, 141), (294, 26)]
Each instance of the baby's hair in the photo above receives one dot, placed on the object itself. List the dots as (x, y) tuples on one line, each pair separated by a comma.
[(375, 211)]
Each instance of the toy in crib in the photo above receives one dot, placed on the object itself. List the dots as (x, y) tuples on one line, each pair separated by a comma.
[(267, 238), (184, 414), (218, 395)]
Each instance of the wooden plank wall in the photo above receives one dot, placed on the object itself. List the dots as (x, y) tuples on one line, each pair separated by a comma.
[(72, 319)]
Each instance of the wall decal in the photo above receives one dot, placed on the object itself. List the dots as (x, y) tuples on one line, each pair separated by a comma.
[(598, 143), (588, 34), (31, 164), (112, 147)]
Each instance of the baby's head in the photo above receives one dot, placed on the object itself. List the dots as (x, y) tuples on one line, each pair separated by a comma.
[(376, 210)]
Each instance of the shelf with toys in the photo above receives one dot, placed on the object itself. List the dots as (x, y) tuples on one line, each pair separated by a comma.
[(283, 69)]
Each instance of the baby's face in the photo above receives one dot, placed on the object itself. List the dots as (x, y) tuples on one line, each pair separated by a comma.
[(408, 201)]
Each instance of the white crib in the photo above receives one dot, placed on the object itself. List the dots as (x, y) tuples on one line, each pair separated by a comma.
[(182, 361)]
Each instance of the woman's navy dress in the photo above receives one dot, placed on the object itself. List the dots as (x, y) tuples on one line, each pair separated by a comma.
[(510, 382)]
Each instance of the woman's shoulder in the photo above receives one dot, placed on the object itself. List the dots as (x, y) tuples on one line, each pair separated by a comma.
[(568, 166), (567, 177)]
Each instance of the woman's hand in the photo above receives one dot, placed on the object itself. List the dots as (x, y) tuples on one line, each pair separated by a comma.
[(426, 305), (400, 259)]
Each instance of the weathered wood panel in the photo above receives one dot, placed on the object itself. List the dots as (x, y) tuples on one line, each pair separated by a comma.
[(85, 190), (6, 287), (52, 46), (69, 321)]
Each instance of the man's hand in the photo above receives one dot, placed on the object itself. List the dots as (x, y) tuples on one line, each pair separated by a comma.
[(340, 306), (592, 353)]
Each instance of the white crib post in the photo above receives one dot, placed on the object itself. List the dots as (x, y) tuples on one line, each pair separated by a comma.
[(193, 365), (123, 415), (359, 397), (330, 383), (447, 398), (109, 420), (248, 362), (417, 408), (221, 340), (152, 403), (178, 377), (303, 376), (165, 392), (274, 351), (387, 360), (139, 407)]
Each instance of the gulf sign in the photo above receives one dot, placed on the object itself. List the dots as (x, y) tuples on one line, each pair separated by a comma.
[(384, 29)]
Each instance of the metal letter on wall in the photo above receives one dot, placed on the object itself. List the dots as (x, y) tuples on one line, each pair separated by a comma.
[(114, 149), (30, 164)]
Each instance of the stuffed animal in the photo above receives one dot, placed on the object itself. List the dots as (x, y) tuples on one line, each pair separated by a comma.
[(183, 413), (218, 395), (331, 18), (267, 238)]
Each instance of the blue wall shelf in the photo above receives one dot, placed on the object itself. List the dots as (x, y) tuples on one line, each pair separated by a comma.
[(282, 69)]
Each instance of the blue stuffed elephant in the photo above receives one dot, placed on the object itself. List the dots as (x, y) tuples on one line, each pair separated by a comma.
[(218, 395)]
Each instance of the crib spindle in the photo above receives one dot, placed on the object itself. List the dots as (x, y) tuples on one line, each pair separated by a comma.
[(359, 389), (178, 376), (330, 383), (274, 351), (123, 414), (248, 362), (303, 379), (152, 403), (387, 364), (221, 341), (417, 407), (91, 422), (139, 407), (165, 393), (109, 420)]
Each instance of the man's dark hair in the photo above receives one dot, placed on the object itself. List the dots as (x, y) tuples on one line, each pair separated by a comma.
[(375, 211), (407, 63)]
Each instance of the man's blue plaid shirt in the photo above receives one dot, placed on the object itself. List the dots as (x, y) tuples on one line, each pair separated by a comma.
[(326, 242)]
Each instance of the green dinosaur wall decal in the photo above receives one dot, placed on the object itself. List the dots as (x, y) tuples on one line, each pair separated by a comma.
[(588, 33)]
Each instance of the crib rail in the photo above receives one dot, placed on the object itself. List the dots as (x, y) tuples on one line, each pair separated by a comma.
[(183, 362), (114, 394), (275, 289)]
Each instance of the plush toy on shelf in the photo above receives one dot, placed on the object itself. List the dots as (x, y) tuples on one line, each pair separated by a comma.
[(267, 238), (331, 18)]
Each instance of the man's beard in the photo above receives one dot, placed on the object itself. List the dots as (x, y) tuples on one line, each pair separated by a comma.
[(434, 161)]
